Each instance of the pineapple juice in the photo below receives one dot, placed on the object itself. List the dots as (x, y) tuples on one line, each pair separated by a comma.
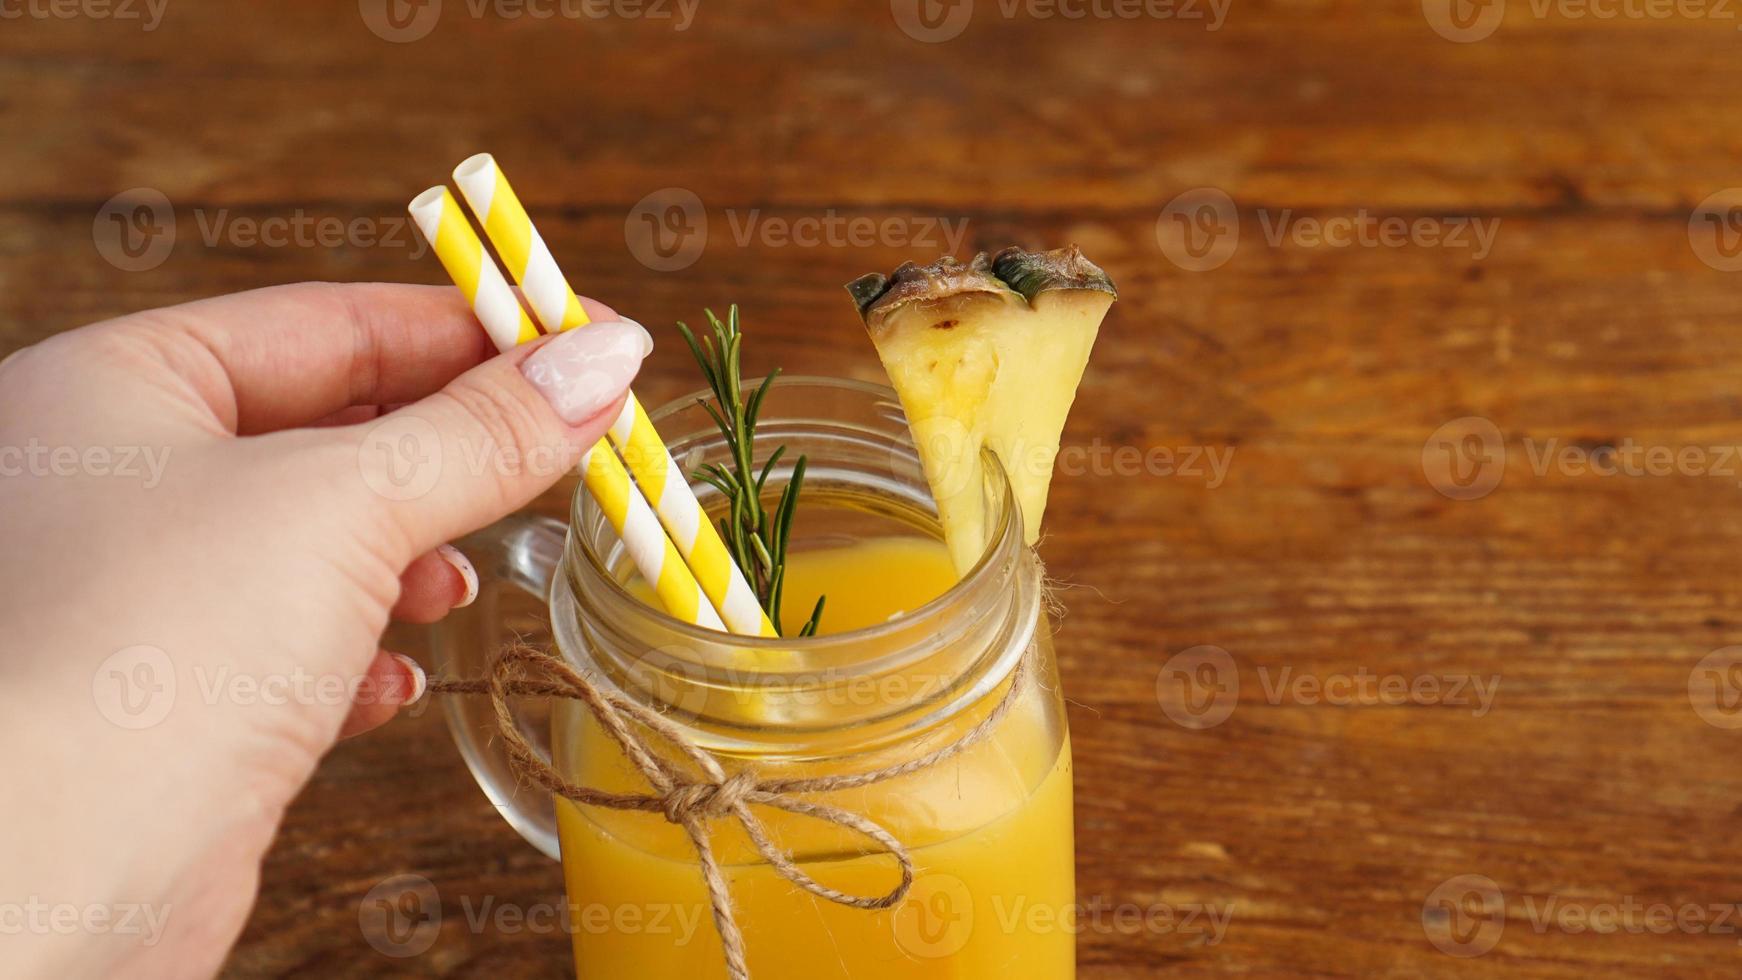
[(989, 831)]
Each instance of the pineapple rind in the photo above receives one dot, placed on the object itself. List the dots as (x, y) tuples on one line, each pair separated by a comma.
[(879, 297), (1033, 273)]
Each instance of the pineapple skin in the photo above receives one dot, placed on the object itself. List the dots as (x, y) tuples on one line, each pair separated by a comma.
[(986, 355)]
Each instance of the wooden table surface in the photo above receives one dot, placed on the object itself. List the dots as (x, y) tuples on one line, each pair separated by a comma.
[(1567, 750)]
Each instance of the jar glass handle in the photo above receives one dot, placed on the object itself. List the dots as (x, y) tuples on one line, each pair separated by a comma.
[(516, 559)]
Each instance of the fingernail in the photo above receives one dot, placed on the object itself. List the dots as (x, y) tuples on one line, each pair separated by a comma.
[(468, 574), (419, 682), (645, 334), (582, 371)]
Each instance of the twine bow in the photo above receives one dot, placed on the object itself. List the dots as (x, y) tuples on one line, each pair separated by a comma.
[(692, 799)]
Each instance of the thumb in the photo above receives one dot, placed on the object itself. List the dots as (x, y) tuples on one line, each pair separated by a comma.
[(498, 435)]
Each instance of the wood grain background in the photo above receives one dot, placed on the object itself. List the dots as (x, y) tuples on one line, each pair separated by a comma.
[(1599, 778)]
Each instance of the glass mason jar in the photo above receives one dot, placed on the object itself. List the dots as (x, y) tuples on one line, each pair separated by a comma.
[(988, 829)]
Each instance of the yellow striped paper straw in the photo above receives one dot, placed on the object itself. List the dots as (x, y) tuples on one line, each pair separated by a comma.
[(531, 264), (522, 248), (458, 247), (451, 236)]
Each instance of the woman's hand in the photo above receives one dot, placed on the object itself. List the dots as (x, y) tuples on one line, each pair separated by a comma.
[(208, 514)]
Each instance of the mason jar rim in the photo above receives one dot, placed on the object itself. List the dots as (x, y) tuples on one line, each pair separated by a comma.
[(1008, 528)]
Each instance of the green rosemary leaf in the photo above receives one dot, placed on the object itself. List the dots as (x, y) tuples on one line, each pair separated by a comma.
[(719, 479), (725, 491), (810, 625), (689, 339), (725, 429), (789, 503), (768, 467), (754, 409), (779, 583)]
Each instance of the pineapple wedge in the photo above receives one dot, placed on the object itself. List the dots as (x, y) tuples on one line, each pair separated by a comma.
[(986, 355)]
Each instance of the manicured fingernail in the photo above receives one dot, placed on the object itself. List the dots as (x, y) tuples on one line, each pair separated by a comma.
[(468, 574), (645, 334), (419, 682), (582, 371)]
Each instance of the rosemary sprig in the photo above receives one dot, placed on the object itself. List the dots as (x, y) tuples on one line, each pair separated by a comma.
[(756, 537)]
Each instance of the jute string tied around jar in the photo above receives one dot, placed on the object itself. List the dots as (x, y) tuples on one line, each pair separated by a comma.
[(692, 799)]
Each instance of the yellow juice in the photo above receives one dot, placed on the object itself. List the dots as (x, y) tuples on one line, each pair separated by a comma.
[(989, 831)]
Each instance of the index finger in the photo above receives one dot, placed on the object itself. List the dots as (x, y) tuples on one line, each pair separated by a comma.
[(286, 356)]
